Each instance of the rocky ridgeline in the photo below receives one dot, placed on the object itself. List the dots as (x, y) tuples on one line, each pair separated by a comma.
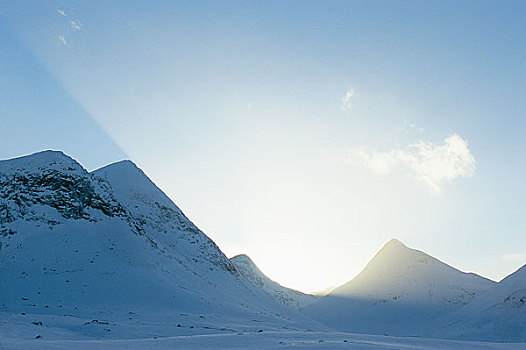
[(28, 195)]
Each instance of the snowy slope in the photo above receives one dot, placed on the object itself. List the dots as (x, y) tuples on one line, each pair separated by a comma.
[(290, 297), (161, 220), (400, 290), (498, 315), (110, 246)]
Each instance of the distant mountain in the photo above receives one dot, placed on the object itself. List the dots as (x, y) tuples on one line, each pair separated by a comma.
[(399, 291), (498, 314), (111, 245), (324, 292), (289, 297)]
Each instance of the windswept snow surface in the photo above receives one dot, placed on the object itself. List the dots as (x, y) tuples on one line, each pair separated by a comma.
[(290, 297), (399, 292)]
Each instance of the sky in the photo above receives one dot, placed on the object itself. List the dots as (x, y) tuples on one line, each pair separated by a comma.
[(305, 134)]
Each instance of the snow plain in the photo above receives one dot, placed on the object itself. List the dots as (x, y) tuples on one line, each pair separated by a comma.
[(17, 332)]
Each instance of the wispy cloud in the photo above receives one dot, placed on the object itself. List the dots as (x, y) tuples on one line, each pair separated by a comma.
[(75, 25), (429, 163), (62, 39), (346, 101)]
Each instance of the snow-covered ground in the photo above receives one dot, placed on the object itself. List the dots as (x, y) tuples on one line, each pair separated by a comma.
[(18, 332)]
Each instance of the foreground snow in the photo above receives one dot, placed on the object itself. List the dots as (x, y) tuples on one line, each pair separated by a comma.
[(147, 332)]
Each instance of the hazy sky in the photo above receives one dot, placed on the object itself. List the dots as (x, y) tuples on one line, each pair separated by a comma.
[(304, 134)]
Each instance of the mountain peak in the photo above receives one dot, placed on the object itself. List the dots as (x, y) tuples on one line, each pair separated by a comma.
[(129, 181), (393, 243), (242, 257), (125, 169), (42, 155), (124, 163), (122, 166), (394, 255), (394, 247), (49, 153), (43, 159), (244, 261)]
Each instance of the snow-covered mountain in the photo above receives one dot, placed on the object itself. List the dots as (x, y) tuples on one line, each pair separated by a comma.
[(106, 254), (110, 245), (290, 297), (499, 314), (400, 290)]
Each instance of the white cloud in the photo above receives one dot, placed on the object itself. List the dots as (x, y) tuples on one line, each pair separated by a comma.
[(346, 101), (429, 163), (62, 39), (62, 12), (75, 25)]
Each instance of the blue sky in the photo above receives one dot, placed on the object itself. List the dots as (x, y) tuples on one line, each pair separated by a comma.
[(305, 134)]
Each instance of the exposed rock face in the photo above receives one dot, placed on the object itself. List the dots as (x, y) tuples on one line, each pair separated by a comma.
[(37, 191)]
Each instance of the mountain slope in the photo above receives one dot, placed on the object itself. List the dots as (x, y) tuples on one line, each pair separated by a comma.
[(499, 314), (398, 291), (290, 297), (160, 218), (111, 245)]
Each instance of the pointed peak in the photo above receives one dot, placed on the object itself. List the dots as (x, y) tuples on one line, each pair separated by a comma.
[(129, 180), (242, 258), (122, 168), (394, 243), (395, 249), (125, 163)]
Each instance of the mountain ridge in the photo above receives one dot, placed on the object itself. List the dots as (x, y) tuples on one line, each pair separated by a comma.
[(398, 289), (110, 244)]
